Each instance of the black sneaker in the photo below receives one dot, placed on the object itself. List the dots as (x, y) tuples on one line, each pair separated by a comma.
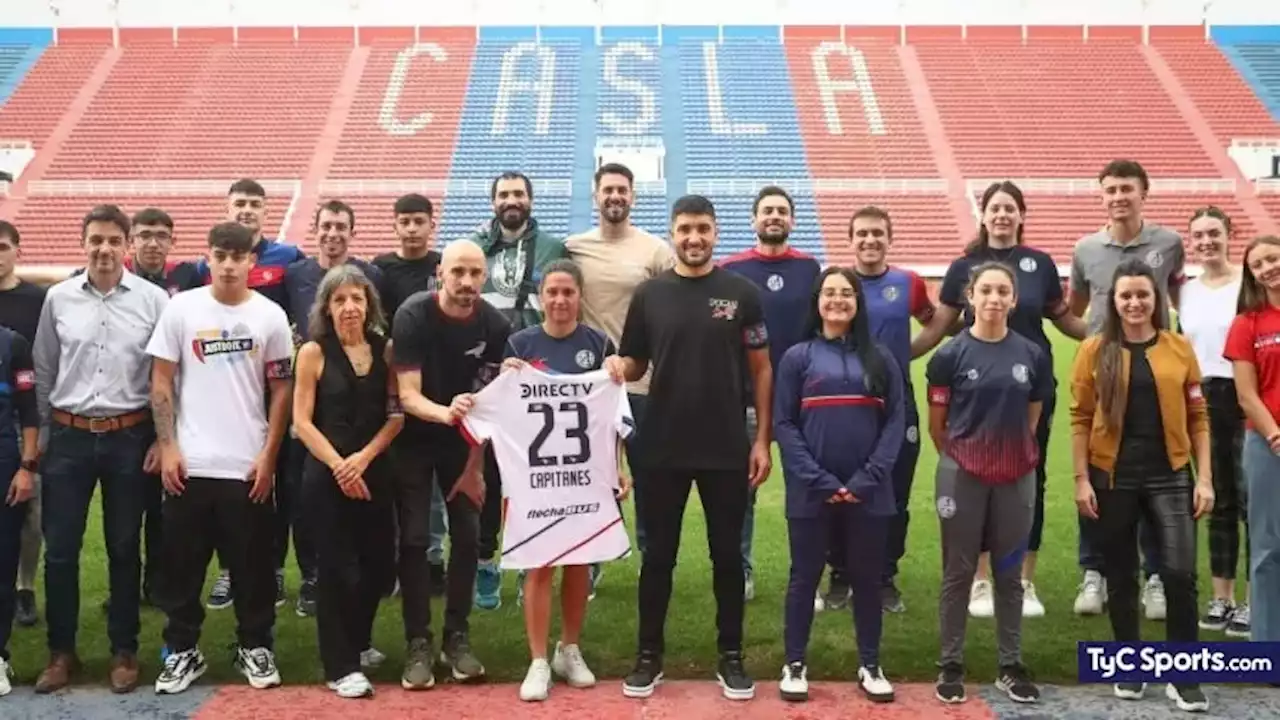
[(436, 580), (1015, 682), (891, 599), (457, 656), (306, 606), (281, 596), (734, 680), (950, 686), (1217, 615), (222, 594), (644, 677), (1188, 697), (25, 610), (838, 593)]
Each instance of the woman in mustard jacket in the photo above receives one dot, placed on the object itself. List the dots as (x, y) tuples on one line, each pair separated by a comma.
[(1138, 418)]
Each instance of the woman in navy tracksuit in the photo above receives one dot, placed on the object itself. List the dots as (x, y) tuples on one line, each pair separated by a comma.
[(839, 418)]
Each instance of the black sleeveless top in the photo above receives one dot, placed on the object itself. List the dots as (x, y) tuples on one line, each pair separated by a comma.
[(350, 409)]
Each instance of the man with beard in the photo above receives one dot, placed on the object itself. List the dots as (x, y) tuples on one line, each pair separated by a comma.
[(334, 227), (615, 258), (1124, 185), (93, 383), (703, 331), (447, 346), (515, 251), (785, 277), (247, 205)]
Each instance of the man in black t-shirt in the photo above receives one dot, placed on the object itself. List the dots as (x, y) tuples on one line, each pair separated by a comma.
[(702, 329), (447, 346)]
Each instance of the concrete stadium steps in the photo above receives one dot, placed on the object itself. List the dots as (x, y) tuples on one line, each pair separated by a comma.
[(43, 96)]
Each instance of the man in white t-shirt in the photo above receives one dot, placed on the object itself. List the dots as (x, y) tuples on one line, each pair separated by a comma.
[(218, 350)]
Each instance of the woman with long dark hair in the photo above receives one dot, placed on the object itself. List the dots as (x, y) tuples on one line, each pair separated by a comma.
[(346, 411), (987, 387), (1040, 298), (839, 418), (1208, 309), (1138, 419), (1253, 346)]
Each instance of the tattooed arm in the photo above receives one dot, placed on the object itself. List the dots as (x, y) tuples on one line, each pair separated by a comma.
[(164, 412)]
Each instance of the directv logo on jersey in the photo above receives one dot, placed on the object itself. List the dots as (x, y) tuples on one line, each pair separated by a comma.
[(528, 390)]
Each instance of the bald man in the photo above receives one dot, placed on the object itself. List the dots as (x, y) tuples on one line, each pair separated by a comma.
[(448, 344)]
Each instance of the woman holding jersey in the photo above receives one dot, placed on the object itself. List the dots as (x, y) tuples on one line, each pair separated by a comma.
[(561, 344), (987, 387), (840, 420), (1138, 419), (346, 411), (1207, 311), (1253, 346), (1040, 298)]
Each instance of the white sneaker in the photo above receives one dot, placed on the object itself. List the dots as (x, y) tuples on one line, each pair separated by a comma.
[(1093, 594), (355, 685), (748, 586), (537, 682), (1031, 605), (981, 604), (6, 672), (794, 685), (874, 686), (568, 663), (258, 665), (371, 658), (179, 671), (818, 603), (1153, 599)]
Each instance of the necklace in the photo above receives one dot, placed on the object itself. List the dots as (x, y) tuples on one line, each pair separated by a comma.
[(361, 357)]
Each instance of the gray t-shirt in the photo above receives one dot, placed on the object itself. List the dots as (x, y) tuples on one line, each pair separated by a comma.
[(1096, 257)]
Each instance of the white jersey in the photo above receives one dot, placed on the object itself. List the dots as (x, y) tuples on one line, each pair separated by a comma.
[(556, 441)]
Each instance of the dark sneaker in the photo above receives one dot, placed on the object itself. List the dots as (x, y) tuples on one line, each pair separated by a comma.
[(221, 595), (1130, 690), (25, 613), (1238, 623), (950, 686), (734, 680), (306, 606), (837, 595), (435, 580), (281, 596), (457, 655), (891, 599), (1188, 697), (1216, 616), (644, 677), (417, 666), (1015, 682)]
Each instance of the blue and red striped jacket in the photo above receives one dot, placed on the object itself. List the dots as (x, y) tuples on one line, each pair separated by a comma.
[(831, 432)]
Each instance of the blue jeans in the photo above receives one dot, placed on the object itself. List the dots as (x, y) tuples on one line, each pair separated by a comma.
[(11, 521), (74, 462), (1262, 473)]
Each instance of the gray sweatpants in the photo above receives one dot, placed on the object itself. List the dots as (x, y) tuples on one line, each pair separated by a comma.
[(970, 511)]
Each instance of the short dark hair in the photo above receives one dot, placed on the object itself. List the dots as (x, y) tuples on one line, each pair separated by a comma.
[(772, 191), (336, 206), (9, 230), (1126, 169), (105, 213), (511, 175), (153, 216), (693, 205), (614, 169), (413, 203), (563, 265), (873, 212), (231, 236), (248, 187)]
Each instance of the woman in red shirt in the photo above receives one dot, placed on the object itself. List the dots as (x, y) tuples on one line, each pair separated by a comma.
[(1253, 346)]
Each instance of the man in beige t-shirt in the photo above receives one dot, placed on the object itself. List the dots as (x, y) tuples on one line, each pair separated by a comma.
[(615, 258)]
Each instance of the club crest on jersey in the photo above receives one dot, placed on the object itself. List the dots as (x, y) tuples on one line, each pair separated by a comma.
[(723, 309), (1155, 259), (585, 359), (889, 293), (1020, 372), (946, 507), (972, 374), (913, 434), (1027, 265), (774, 283)]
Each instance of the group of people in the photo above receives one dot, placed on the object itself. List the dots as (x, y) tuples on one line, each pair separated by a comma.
[(369, 409)]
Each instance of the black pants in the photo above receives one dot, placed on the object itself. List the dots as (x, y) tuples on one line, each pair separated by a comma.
[(724, 503), (1165, 503), (356, 553), (153, 535), (289, 510), (213, 514), (418, 462), (1226, 437), (491, 514)]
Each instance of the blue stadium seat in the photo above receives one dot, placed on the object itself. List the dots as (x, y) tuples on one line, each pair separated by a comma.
[(1260, 63), (462, 214)]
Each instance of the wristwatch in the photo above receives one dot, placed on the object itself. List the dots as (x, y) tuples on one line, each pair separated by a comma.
[(30, 466)]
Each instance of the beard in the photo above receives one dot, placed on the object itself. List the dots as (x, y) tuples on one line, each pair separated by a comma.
[(616, 212), (685, 258), (773, 236), (512, 217)]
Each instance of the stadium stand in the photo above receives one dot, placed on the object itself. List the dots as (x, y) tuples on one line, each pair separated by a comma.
[(1260, 64)]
